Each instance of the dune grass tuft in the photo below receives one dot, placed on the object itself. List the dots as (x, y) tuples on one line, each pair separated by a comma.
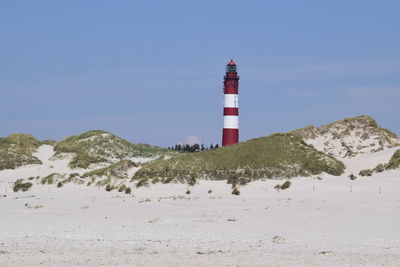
[(19, 185)]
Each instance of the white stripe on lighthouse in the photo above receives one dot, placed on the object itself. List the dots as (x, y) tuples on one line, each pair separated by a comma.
[(231, 101), (231, 122)]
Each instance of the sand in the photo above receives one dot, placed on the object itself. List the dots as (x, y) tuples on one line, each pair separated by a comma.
[(330, 221)]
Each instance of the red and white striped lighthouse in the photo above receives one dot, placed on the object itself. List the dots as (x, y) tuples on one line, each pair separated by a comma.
[(230, 133)]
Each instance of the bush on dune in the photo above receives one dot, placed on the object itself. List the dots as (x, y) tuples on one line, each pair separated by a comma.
[(283, 186), (19, 185), (394, 162), (16, 151)]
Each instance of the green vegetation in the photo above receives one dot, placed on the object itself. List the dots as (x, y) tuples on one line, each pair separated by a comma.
[(363, 119), (72, 177), (352, 177), (117, 170), (379, 168), (394, 162), (363, 130), (286, 185), (16, 150), (277, 155), (108, 175), (52, 178), (128, 190), (235, 180), (283, 186), (142, 182), (19, 185), (366, 172), (235, 191), (193, 148), (103, 147), (122, 188), (389, 133), (109, 188), (368, 125)]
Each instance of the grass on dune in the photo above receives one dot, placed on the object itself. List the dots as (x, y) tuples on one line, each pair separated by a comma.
[(394, 162), (16, 150), (103, 147), (117, 170), (274, 156)]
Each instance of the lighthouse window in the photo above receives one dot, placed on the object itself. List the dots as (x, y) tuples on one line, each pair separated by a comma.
[(231, 68)]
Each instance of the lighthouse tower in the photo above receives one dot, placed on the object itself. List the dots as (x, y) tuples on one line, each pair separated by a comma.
[(230, 134)]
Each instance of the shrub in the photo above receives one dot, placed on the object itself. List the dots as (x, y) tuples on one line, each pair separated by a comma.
[(188, 192), (283, 186), (20, 185), (235, 191), (365, 172), (122, 188), (103, 182), (244, 181), (379, 168), (16, 150), (142, 182), (73, 175), (352, 177), (233, 179), (60, 184), (210, 191), (127, 190), (168, 180), (50, 179), (394, 162), (192, 181), (286, 185), (109, 188)]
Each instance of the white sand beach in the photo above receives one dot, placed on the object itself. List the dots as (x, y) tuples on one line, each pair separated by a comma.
[(330, 221)]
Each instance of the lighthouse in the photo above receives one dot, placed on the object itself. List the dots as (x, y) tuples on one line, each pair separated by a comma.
[(230, 132)]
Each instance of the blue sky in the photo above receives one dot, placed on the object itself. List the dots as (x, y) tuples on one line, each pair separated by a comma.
[(151, 71)]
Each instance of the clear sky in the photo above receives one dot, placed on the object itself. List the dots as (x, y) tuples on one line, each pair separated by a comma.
[(152, 71)]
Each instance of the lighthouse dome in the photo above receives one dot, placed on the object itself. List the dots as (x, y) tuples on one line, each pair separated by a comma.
[(231, 63)]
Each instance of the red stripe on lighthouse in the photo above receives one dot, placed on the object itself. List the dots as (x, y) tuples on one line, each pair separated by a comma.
[(231, 86), (231, 111), (230, 137)]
